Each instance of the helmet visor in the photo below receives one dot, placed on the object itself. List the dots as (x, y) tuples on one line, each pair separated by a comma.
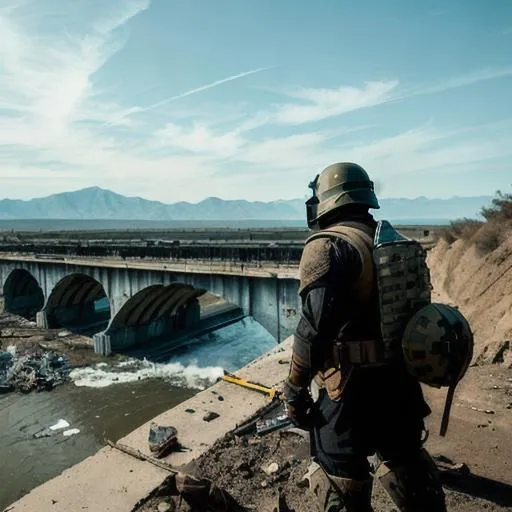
[(312, 204)]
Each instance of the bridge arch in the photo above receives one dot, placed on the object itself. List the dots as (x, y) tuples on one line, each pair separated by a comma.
[(155, 312), (22, 294), (79, 303)]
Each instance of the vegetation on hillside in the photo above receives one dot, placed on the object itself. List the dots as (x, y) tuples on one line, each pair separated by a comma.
[(487, 234)]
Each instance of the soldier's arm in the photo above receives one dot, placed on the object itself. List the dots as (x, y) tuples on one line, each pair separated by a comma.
[(327, 270)]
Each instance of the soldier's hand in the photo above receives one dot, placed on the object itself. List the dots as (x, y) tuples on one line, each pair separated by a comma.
[(298, 404)]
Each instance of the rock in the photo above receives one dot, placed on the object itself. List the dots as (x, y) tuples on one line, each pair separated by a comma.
[(271, 469), (220, 398), (190, 411), (63, 334), (163, 506), (264, 484), (210, 416), (241, 466)]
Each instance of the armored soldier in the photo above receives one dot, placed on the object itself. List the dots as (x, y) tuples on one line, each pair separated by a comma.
[(347, 385)]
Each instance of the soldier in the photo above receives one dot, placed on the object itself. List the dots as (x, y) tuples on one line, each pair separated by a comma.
[(366, 400)]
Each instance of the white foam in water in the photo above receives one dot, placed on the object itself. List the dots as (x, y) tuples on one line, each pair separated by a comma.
[(190, 376), (196, 366)]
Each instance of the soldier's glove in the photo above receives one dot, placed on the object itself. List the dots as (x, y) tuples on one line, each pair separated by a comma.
[(299, 405)]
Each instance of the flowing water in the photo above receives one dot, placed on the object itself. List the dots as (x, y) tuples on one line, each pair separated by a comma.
[(108, 402)]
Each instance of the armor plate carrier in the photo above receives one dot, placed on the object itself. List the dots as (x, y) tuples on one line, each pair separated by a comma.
[(403, 281)]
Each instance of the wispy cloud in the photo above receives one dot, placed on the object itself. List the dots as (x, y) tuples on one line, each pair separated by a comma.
[(318, 104), (60, 128), (456, 82)]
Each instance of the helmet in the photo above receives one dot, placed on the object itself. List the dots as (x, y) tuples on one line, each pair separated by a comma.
[(438, 345), (336, 186)]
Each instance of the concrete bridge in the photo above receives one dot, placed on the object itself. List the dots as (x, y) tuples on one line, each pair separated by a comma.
[(124, 304)]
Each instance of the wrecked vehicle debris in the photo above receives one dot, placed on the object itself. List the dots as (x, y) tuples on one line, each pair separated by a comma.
[(32, 372)]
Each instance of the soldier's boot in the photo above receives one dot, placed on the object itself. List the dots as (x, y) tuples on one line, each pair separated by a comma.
[(413, 484), (349, 495)]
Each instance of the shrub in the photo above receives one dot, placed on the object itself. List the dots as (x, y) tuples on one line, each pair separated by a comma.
[(501, 209), (489, 237), (462, 228)]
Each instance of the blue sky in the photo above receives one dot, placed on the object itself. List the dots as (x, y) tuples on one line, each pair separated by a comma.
[(181, 100)]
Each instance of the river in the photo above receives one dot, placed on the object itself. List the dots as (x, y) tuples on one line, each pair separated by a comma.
[(108, 402)]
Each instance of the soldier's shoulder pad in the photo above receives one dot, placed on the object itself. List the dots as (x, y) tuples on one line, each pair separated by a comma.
[(315, 261)]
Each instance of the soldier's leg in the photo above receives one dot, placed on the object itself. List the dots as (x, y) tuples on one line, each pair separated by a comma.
[(338, 494), (413, 483), (339, 448)]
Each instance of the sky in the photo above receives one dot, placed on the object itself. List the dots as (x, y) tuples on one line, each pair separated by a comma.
[(249, 99)]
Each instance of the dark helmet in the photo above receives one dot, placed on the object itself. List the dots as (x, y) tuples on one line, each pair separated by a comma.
[(438, 345), (336, 186)]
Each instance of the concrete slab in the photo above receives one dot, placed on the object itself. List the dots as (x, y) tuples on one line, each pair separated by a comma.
[(237, 405), (107, 481), (113, 481)]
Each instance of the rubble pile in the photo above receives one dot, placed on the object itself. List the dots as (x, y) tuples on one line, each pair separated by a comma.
[(39, 371)]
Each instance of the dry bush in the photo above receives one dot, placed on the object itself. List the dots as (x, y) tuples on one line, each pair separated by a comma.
[(463, 229), (488, 235), (501, 209), (488, 238)]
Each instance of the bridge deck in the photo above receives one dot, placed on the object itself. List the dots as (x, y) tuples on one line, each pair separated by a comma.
[(264, 270)]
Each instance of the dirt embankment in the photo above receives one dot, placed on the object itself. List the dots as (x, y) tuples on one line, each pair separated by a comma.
[(481, 286)]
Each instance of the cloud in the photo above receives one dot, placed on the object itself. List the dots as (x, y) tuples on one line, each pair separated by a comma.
[(455, 82), (318, 104), (46, 82), (61, 128), (199, 139), (310, 105)]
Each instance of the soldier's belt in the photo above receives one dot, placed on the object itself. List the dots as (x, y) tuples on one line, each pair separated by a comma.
[(361, 353)]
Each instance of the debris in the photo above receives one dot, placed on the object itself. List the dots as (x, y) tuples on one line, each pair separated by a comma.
[(71, 432), (162, 439), (32, 372), (271, 469), (210, 416), (203, 494), (486, 411), (49, 431), (141, 456), (59, 425), (163, 506)]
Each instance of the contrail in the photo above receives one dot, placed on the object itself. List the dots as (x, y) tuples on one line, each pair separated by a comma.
[(204, 88), (137, 110)]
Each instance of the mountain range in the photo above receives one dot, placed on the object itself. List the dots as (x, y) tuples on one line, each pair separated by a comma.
[(97, 203)]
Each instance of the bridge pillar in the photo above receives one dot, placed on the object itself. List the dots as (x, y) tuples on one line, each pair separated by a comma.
[(42, 320), (102, 344)]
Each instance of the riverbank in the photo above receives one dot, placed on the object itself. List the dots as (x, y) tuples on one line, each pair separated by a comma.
[(108, 401), (479, 436), (111, 480)]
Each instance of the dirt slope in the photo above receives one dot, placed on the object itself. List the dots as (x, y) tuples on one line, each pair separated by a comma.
[(481, 286)]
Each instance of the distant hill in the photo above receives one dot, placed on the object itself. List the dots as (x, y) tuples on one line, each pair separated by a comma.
[(97, 203)]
